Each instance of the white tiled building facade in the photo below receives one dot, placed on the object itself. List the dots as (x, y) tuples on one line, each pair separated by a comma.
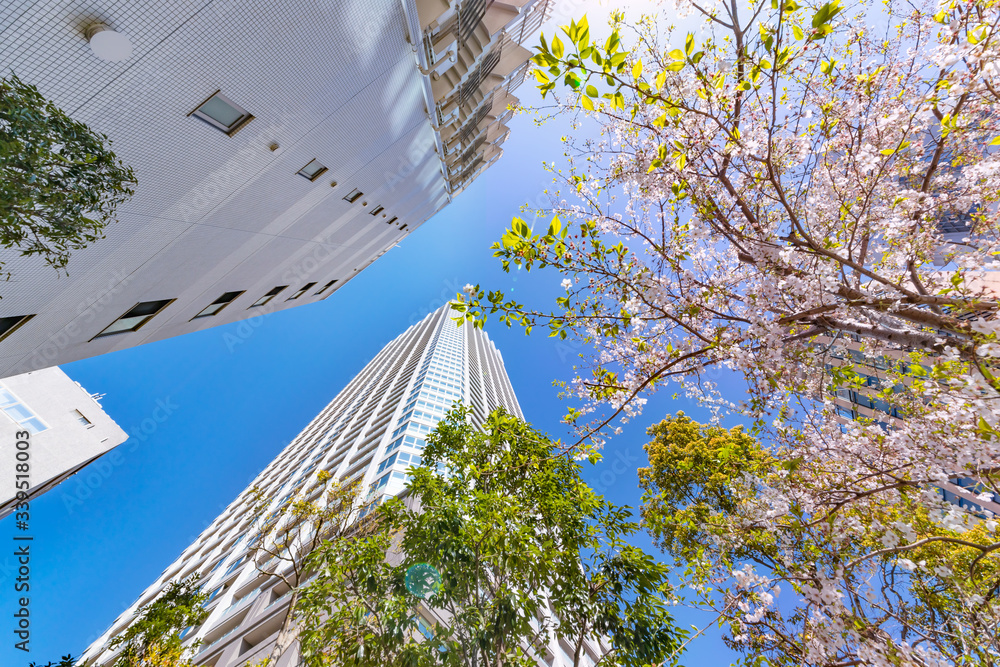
[(66, 427), (373, 431), (279, 149)]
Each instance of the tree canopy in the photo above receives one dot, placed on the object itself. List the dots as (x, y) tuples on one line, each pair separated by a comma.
[(311, 515), (153, 639), (768, 188), (820, 561), (498, 550), (60, 184)]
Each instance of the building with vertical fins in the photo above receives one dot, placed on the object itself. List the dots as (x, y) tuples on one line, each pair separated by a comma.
[(279, 148), (372, 431)]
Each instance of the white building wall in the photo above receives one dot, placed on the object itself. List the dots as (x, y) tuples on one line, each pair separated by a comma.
[(345, 82), (66, 426)]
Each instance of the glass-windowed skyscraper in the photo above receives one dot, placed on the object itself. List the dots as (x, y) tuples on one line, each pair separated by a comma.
[(372, 431)]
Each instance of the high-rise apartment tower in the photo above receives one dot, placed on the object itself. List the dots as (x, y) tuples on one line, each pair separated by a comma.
[(372, 431)]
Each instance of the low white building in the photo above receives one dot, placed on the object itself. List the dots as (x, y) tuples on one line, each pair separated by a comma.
[(279, 149), (66, 429)]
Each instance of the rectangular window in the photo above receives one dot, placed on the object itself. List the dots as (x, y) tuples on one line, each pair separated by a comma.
[(20, 413), (377, 210), (312, 171), (353, 196), (222, 113), (392, 220), (267, 297), (216, 306), (327, 286), (9, 325), (305, 288), (83, 420), (135, 318)]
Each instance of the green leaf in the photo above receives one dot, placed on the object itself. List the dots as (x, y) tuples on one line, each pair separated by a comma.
[(637, 69), (612, 44), (557, 47), (797, 31), (689, 44), (825, 14), (592, 91), (587, 103)]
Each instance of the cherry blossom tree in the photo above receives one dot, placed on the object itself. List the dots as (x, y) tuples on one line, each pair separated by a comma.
[(781, 176), (804, 195), (850, 573)]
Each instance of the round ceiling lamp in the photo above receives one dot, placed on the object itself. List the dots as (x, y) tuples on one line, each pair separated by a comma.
[(107, 44)]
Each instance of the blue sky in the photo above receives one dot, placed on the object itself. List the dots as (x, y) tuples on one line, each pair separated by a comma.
[(106, 534)]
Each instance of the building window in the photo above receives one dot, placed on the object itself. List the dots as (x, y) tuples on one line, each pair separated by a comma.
[(267, 297), (353, 196), (222, 113), (9, 325), (19, 412), (302, 291), (216, 306), (392, 220), (83, 420), (377, 210), (327, 286), (135, 318), (312, 171)]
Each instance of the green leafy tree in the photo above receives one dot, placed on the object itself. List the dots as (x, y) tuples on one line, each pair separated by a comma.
[(498, 548), (290, 530), (153, 638), (825, 561), (60, 184), (66, 661)]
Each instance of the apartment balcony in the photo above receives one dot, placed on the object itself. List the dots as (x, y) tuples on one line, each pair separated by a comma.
[(472, 55)]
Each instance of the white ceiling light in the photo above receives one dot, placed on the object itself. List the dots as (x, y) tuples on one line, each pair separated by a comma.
[(107, 44)]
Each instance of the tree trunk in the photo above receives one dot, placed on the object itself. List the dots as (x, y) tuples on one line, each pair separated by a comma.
[(287, 635)]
